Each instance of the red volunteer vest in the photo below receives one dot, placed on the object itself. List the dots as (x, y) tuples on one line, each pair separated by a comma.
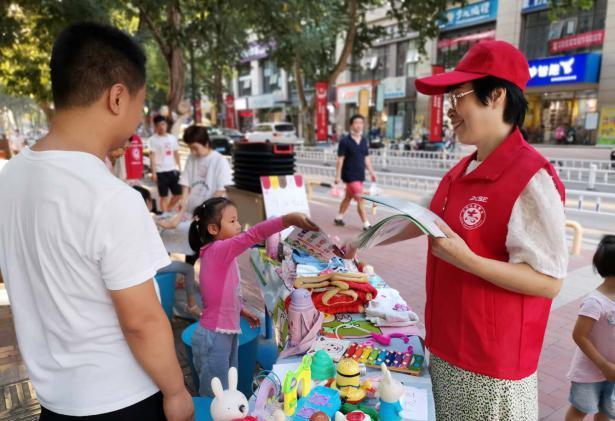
[(470, 322)]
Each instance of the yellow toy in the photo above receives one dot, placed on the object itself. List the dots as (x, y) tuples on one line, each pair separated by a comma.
[(348, 381), (290, 388)]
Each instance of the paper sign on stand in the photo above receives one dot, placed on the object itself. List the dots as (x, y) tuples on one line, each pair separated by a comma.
[(284, 194)]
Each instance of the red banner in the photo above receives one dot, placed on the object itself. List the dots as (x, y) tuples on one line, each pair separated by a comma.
[(481, 36), (573, 42), (437, 106), (230, 111), (322, 118), (134, 159)]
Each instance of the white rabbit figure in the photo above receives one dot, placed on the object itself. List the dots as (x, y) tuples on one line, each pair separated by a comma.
[(391, 391), (228, 404)]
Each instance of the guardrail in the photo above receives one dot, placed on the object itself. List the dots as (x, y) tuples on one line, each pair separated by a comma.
[(580, 201)]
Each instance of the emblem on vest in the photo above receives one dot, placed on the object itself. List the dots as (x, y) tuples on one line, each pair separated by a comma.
[(472, 216)]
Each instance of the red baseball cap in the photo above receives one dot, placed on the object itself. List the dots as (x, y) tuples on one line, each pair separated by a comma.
[(488, 58)]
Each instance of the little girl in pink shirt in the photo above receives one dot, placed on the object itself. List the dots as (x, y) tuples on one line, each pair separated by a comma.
[(593, 368), (216, 232)]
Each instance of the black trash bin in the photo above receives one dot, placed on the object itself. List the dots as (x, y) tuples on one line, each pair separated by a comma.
[(253, 160), (613, 159)]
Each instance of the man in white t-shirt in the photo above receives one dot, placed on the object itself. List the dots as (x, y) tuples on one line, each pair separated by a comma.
[(78, 248), (164, 158)]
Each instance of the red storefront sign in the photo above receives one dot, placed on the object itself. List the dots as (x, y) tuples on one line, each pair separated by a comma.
[(322, 122), (572, 42), (230, 111), (437, 106), (134, 159), (481, 36), (246, 113)]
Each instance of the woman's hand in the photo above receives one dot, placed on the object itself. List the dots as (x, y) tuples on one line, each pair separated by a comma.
[(299, 220), (452, 249)]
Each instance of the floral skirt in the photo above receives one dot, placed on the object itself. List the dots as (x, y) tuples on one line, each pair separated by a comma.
[(463, 395)]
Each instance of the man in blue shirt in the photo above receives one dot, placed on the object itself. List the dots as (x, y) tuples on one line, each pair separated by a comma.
[(352, 160)]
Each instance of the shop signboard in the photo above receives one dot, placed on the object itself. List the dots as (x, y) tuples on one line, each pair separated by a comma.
[(606, 131), (241, 103), (283, 194), (579, 68), (230, 111), (574, 42), (533, 5), (471, 14), (322, 118), (437, 105), (349, 93), (261, 101), (394, 87)]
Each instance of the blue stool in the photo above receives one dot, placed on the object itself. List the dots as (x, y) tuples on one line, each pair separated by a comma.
[(248, 342), (201, 409), (267, 352), (166, 284)]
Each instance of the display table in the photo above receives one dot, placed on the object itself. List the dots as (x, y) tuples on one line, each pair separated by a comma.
[(419, 395)]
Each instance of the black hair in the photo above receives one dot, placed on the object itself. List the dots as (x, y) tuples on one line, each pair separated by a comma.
[(146, 195), (197, 134), (159, 119), (88, 58), (516, 104), (210, 212), (604, 259), (354, 117)]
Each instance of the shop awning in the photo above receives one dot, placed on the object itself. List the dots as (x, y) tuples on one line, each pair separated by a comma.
[(467, 38)]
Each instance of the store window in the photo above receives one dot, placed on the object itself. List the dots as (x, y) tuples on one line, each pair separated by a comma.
[(453, 45), (407, 58), (372, 65), (245, 80), (539, 31), (271, 77)]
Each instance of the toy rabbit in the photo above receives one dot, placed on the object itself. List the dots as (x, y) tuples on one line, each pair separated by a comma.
[(391, 391), (231, 404)]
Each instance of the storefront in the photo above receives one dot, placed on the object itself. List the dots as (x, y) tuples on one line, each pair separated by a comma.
[(268, 107), (465, 27), (356, 98), (563, 99), (396, 101)]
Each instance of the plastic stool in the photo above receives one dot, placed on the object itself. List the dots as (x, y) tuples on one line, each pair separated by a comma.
[(247, 355), (201, 408), (267, 351), (166, 284)]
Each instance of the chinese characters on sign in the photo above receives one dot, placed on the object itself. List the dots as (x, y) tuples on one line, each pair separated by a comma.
[(579, 68), (472, 13), (573, 42)]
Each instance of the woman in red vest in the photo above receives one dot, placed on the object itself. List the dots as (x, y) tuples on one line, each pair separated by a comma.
[(491, 281)]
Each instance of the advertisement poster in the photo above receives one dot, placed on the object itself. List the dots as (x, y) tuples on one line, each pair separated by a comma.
[(321, 111), (437, 105), (606, 131)]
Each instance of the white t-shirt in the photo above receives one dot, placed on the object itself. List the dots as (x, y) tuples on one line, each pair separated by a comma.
[(69, 232), (205, 176), (164, 148)]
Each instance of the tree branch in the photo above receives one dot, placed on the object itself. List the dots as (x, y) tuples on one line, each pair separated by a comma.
[(351, 33), (155, 31)]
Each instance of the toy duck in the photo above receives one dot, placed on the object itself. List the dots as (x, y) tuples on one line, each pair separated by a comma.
[(348, 381)]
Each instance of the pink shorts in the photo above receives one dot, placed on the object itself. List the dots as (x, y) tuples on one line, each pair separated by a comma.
[(354, 189)]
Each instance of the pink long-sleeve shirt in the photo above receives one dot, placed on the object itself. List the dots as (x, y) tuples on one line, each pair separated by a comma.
[(219, 276)]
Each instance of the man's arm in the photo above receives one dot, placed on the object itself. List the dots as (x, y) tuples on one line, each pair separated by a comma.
[(149, 336), (178, 160), (152, 164), (370, 167), (338, 169)]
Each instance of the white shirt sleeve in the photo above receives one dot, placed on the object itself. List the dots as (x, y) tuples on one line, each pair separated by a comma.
[(536, 230), (128, 245), (186, 174), (175, 143), (223, 175)]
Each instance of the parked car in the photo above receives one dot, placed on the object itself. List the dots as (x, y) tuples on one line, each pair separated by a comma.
[(221, 143), (277, 132), (235, 135)]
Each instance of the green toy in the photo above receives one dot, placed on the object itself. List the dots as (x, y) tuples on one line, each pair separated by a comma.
[(323, 367)]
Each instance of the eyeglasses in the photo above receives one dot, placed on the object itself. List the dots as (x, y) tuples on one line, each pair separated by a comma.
[(453, 98)]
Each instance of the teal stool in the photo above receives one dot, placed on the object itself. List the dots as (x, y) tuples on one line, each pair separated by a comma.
[(166, 284), (248, 343), (201, 409)]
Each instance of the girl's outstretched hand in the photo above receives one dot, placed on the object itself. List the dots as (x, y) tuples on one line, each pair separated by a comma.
[(300, 220)]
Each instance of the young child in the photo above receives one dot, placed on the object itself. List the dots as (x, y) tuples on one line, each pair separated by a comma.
[(593, 368), (216, 232)]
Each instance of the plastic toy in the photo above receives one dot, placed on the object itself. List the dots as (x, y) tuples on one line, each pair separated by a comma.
[(391, 392), (381, 357), (351, 350), (348, 381), (373, 414), (372, 357), (322, 367), (416, 365), (228, 404), (400, 361), (269, 389), (302, 375), (321, 399), (366, 353), (352, 416), (386, 339), (320, 416)]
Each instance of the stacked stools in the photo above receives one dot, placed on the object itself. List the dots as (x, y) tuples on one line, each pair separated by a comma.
[(253, 160)]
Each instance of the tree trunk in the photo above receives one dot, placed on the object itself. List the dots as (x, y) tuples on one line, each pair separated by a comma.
[(351, 33), (175, 92), (304, 108)]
